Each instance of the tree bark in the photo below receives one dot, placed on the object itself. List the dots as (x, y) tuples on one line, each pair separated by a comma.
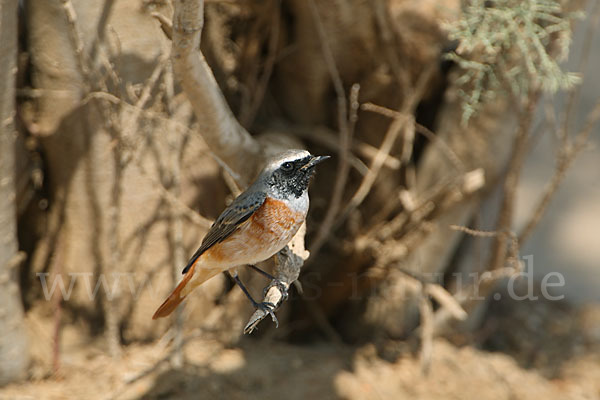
[(13, 339)]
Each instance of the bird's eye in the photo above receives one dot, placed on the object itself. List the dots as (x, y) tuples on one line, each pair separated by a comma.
[(287, 166)]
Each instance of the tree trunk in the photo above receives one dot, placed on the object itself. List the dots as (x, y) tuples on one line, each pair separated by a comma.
[(13, 340)]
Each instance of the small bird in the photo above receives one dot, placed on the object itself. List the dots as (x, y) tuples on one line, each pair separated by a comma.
[(258, 223)]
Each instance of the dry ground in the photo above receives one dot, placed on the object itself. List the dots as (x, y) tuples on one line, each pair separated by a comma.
[(549, 352)]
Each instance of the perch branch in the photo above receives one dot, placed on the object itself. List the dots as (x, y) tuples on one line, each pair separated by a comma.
[(287, 271), (222, 132)]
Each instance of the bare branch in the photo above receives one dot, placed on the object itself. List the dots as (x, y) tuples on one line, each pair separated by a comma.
[(446, 300), (222, 132), (76, 39), (487, 280), (165, 24), (511, 180), (403, 123), (288, 270), (432, 137)]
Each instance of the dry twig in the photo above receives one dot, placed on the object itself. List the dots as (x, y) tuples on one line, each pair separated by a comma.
[(429, 135), (511, 180), (426, 313), (248, 114), (403, 123), (346, 131), (486, 280), (90, 75), (568, 154)]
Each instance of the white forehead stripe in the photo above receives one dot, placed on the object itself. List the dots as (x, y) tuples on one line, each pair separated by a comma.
[(290, 155)]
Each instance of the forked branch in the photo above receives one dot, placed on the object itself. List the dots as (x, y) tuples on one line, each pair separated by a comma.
[(229, 142), (227, 139)]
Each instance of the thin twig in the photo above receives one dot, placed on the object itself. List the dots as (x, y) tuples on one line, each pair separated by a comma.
[(165, 24), (112, 319), (396, 127), (77, 41), (474, 232), (325, 137), (345, 126), (446, 300), (192, 215), (382, 16), (438, 292), (486, 281), (403, 122), (562, 165), (341, 177), (130, 124), (514, 240), (511, 180), (91, 77), (575, 92), (429, 135), (426, 328), (175, 143), (249, 113)]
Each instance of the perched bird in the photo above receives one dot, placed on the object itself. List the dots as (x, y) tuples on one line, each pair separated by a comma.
[(259, 223)]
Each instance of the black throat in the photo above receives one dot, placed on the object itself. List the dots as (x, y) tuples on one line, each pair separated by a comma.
[(294, 182)]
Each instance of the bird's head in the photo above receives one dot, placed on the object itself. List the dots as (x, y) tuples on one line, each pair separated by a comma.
[(288, 174)]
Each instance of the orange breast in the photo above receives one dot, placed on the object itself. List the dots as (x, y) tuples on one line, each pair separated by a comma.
[(274, 217), (270, 228)]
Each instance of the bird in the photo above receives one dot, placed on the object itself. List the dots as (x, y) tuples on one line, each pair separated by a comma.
[(255, 226)]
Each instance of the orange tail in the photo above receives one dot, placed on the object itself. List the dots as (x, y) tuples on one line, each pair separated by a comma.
[(182, 290)]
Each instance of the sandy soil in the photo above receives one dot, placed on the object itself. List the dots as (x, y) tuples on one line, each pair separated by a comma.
[(549, 352)]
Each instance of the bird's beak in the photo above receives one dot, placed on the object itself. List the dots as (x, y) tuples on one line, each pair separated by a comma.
[(314, 161)]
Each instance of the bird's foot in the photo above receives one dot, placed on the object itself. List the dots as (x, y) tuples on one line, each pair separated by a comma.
[(267, 308), (280, 285)]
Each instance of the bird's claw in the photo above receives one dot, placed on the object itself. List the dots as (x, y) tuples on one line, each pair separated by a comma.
[(268, 308)]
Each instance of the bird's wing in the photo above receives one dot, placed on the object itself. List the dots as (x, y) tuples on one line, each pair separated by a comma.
[(230, 219)]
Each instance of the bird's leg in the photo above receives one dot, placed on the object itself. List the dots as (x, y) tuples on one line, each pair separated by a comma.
[(274, 282), (265, 306), (263, 273)]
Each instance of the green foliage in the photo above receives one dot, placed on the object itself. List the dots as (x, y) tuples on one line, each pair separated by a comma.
[(505, 46)]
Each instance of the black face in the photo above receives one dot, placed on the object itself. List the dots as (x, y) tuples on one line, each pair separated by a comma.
[(293, 177)]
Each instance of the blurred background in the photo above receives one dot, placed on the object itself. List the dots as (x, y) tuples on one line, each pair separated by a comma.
[(565, 239), (453, 237)]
